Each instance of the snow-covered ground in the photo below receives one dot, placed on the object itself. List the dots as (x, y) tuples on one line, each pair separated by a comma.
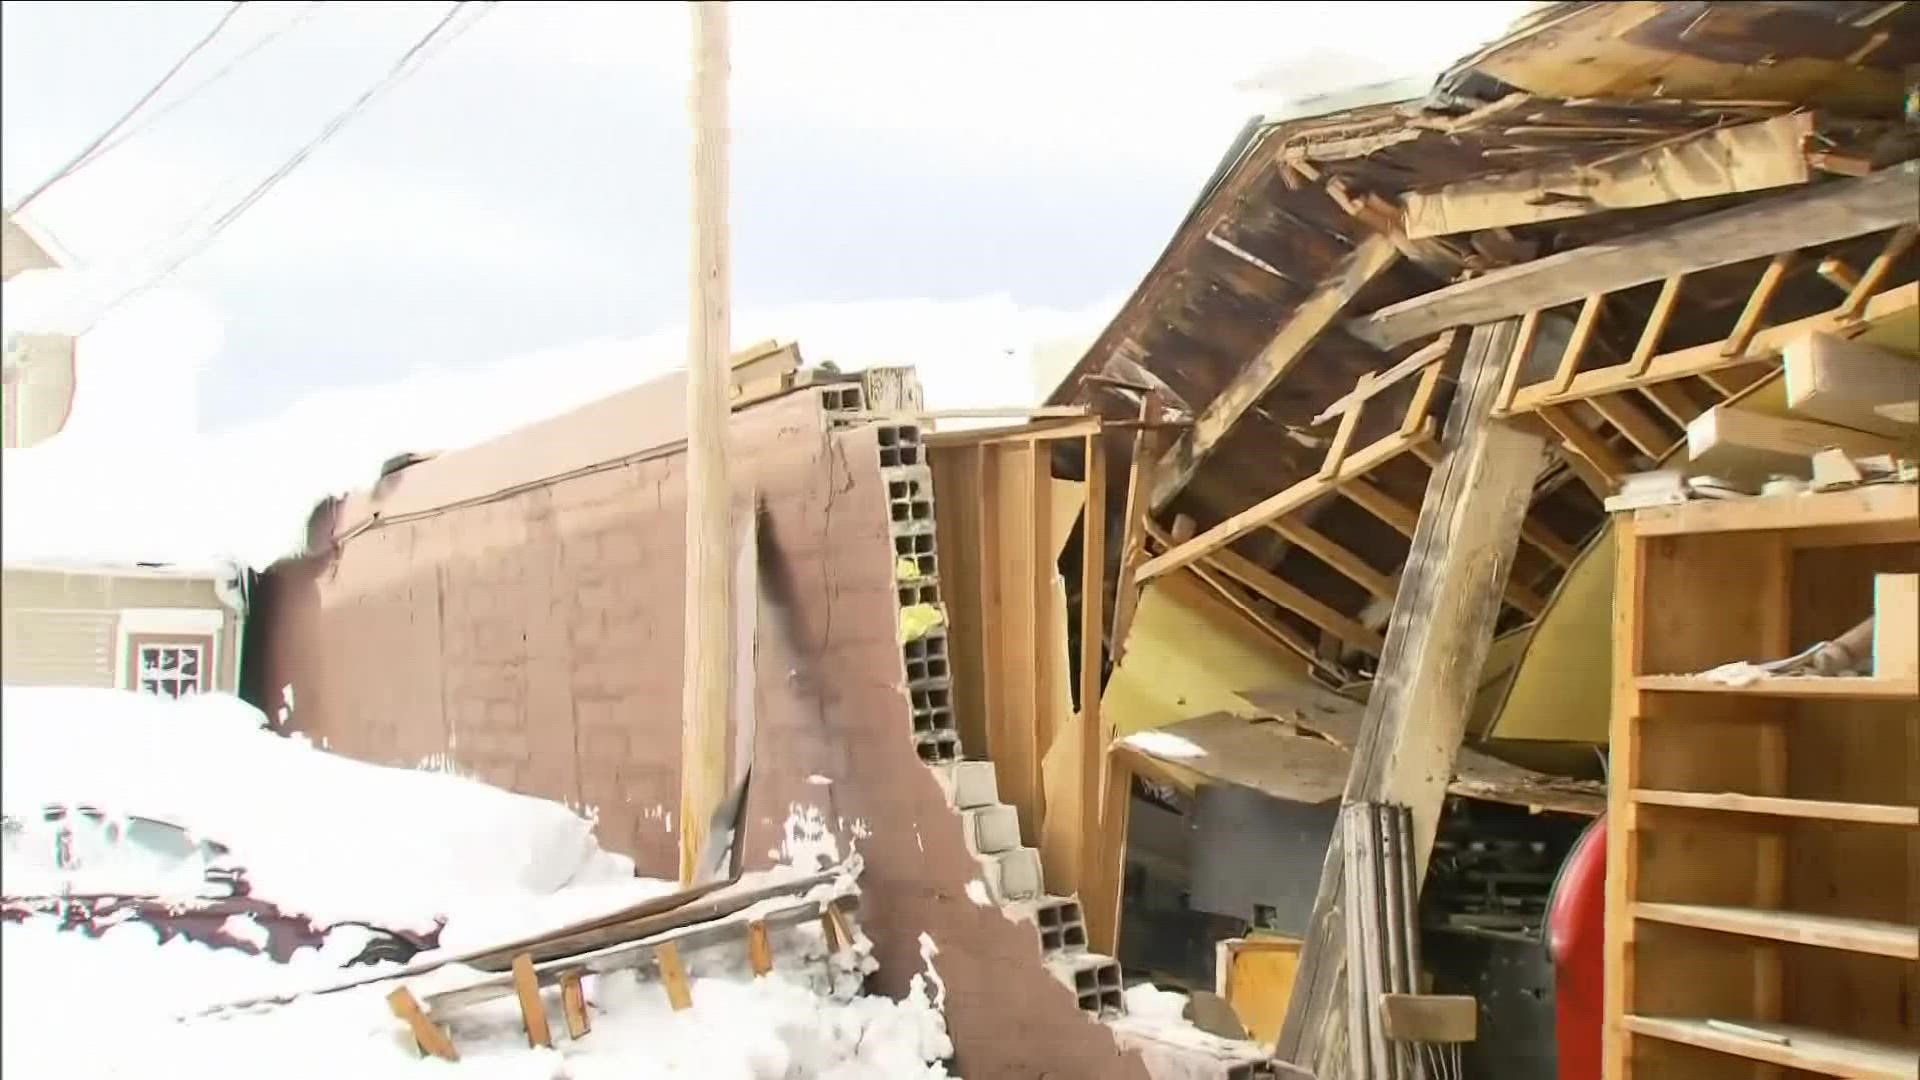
[(335, 839)]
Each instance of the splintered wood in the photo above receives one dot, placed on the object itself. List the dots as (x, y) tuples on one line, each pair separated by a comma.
[(429, 1036)]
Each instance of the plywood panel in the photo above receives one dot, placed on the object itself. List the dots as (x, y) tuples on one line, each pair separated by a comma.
[(1190, 655)]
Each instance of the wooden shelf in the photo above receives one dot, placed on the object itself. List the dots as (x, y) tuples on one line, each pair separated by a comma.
[(1791, 686), (1821, 931), (1812, 1051), (1880, 513), (1773, 806)]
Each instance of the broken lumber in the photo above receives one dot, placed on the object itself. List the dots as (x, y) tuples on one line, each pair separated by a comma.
[(1822, 214), (1437, 642)]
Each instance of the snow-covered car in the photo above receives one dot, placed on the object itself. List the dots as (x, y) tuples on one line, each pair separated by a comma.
[(93, 871)]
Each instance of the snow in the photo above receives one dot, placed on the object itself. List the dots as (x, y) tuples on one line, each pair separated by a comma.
[(321, 833), (977, 892)]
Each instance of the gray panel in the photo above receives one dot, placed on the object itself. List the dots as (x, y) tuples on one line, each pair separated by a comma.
[(1252, 851)]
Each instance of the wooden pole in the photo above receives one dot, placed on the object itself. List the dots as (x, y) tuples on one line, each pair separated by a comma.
[(708, 640)]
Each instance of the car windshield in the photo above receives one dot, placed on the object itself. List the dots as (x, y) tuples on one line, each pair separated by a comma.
[(83, 851)]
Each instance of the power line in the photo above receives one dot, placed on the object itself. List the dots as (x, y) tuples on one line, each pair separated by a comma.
[(409, 62), (198, 88), (80, 158)]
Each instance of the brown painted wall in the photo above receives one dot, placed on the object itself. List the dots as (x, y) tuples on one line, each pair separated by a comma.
[(534, 639)]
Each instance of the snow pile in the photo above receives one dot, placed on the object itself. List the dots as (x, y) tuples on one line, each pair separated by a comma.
[(319, 834)]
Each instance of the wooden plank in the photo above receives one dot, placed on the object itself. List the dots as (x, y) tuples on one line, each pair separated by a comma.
[(1891, 305), (1745, 444), (1748, 324), (1373, 384), (1280, 632), (1895, 248), (1837, 273), (1523, 343), (1822, 214), (573, 1002), (1313, 317), (1430, 1018), (1807, 687), (1421, 404), (1801, 1048), (1838, 381), (1294, 599), (1133, 536), (1670, 398), (1405, 519), (1102, 900), (533, 1012), (1437, 644), (1643, 431), (1343, 435), (709, 650), (1013, 627), (759, 948), (1896, 626), (429, 1036), (1886, 513), (1293, 498), (1820, 931), (1718, 161), (966, 537), (1576, 350), (1093, 582), (1655, 329), (1348, 563), (1590, 447), (673, 975), (1775, 806)]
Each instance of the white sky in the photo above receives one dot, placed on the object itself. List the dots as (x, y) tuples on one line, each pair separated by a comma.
[(504, 233)]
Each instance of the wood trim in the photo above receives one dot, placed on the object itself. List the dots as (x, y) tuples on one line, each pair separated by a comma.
[(136, 640)]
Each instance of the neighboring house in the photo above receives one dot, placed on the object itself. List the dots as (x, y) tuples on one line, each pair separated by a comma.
[(156, 629), (37, 377)]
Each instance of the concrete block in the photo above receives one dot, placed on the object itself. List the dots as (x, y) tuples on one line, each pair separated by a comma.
[(900, 447), (937, 747), (991, 829), (969, 784), (1060, 921), (1013, 875), (926, 659), (1094, 979)]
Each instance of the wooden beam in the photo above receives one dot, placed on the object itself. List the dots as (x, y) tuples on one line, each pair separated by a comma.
[(1343, 435), (1290, 596), (1588, 445), (1093, 588), (1896, 247), (1743, 444), (1133, 534), (1703, 165), (1822, 214), (1323, 547), (1748, 324), (1443, 625), (1642, 430), (1280, 632), (1402, 517), (1897, 302), (1671, 398), (1517, 362), (1851, 383), (708, 640), (1313, 317), (1373, 385), (1293, 498), (1576, 351), (1656, 327)]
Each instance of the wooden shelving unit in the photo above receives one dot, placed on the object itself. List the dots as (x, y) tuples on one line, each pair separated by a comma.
[(1763, 876)]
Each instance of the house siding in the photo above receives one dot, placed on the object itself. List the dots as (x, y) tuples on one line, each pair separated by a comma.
[(65, 628)]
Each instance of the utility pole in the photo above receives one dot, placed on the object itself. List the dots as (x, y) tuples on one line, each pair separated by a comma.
[(709, 605)]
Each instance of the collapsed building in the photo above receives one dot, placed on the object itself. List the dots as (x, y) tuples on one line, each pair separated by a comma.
[(1451, 420)]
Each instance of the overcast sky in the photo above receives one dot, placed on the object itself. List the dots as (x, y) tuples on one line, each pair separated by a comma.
[(526, 189)]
